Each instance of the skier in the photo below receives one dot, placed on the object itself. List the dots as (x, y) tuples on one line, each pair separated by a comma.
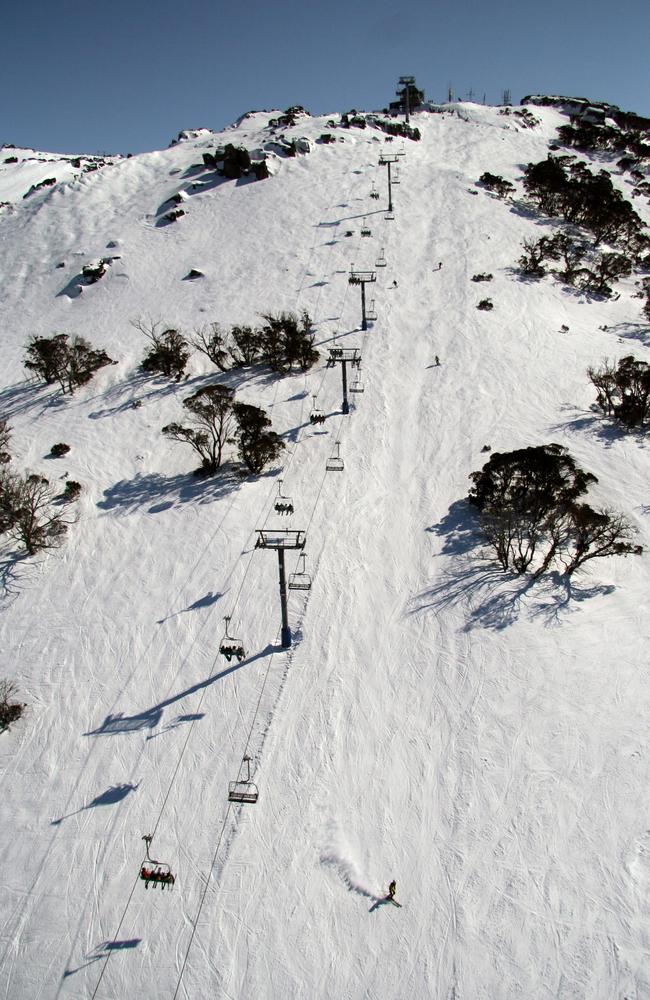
[(391, 889), (437, 361), (394, 284)]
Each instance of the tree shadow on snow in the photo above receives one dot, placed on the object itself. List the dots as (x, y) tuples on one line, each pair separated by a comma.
[(490, 597), (599, 426), (559, 595), (21, 397), (14, 566), (164, 492)]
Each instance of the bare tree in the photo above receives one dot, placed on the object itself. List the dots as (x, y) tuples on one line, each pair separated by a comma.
[(211, 341), (36, 521)]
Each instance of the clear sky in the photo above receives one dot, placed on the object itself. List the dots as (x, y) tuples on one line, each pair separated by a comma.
[(118, 76)]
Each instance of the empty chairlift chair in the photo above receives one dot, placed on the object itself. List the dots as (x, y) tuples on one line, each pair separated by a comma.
[(300, 580), (283, 505), (381, 259), (371, 313), (243, 790), (231, 645), (335, 463), (395, 178), (357, 385)]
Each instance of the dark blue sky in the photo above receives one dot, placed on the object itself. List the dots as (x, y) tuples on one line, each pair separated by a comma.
[(87, 76)]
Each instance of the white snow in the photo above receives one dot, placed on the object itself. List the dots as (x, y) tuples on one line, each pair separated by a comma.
[(481, 741)]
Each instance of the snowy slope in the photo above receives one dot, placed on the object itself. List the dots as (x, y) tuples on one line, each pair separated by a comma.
[(482, 742)]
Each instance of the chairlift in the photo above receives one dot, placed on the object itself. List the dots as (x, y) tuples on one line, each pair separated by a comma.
[(357, 385), (371, 313), (365, 230), (230, 645), (335, 463), (316, 416), (283, 505), (381, 259), (154, 872), (389, 216), (300, 580), (395, 178), (245, 790), (374, 194)]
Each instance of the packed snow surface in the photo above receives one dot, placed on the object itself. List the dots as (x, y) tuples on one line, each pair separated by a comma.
[(482, 741)]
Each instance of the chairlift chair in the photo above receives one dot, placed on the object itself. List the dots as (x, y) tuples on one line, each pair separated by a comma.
[(371, 313), (365, 229), (357, 385), (389, 216), (230, 645), (381, 259), (395, 178), (154, 872), (283, 505), (335, 463), (316, 416), (374, 194), (244, 790), (300, 580)]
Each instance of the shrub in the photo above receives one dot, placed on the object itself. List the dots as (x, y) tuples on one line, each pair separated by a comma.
[(72, 491), (623, 392), (10, 710), (561, 187), (529, 509), (169, 351), (493, 182), (485, 304), (288, 340), (482, 277), (70, 362), (59, 450)]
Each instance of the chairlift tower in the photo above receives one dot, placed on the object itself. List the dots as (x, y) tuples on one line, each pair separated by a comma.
[(406, 82), (387, 160), (281, 539), (344, 356), (362, 278)]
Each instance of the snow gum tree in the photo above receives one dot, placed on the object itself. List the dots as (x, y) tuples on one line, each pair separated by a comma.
[(211, 423), (257, 444), (531, 515), (69, 361)]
